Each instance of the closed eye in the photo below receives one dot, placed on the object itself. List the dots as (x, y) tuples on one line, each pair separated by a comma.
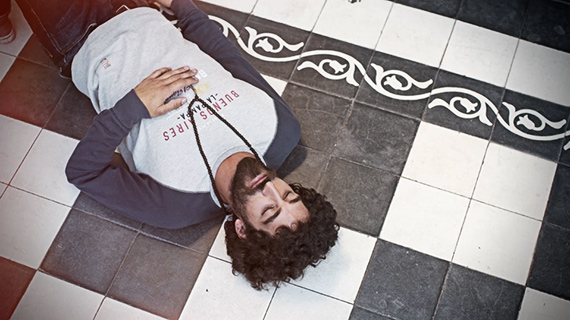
[(273, 217)]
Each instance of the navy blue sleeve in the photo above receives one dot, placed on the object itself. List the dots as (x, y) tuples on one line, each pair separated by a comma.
[(136, 196), (199, 29)]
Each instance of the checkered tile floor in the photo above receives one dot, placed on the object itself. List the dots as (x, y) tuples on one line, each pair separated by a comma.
[(437, 128)]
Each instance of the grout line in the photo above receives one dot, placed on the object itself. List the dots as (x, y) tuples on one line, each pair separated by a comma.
[(460, 231), (9, 184), (270, 302), (40, 196), (383, 27), (318, 16), (443, 285), (57, 105), (106, 295), (253, 9), (319, 293)]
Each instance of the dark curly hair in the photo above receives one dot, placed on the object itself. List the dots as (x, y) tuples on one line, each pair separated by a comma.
[(264, 259)]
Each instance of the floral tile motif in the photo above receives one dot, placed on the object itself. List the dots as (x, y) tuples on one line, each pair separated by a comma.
[(348, 65)]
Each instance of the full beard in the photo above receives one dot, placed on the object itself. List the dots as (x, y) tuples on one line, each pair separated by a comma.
[(240, 191)]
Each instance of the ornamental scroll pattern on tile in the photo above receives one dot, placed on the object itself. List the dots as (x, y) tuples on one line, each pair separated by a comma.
[(335, 65)]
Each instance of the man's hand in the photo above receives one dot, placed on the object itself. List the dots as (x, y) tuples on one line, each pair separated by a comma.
[(154, 89)]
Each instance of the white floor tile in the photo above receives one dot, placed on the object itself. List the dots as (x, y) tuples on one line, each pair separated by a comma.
[(239, 5), (28, 225), (113, 309), (300, 14), (497, 242), (218, 248), (43, 170), (479, 53), (345, 263), (541, 72), (218, 294), (515, 181), (538, 305), (415, 35), (358, 23), (6, 62), (277, 84), (17, 138), (22, 29), (51, 298), (425, 219), (445, 159), (341, 273), (291, 302)]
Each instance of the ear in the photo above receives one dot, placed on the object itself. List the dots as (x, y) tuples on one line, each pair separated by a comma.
[(240, 228)]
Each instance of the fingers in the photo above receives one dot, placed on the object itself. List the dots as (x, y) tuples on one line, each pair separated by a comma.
[(172, 104), (166, 72), (160, 84), (157, 73), (180, 83), (184, 71)]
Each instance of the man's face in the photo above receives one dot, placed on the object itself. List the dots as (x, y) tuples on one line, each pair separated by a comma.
[(268, 202)]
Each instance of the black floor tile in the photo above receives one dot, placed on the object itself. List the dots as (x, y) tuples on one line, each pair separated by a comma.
[(269, 48), (448, 8), (73, 114), (565, 153), (304, 166), (14, 280), (197, 237), (401, 283), (157, 277), (338, 71), (472, 295), (463, 104), (30, 92), (385, 72), (360, 195), (558, 210), (34, 52), (361, 314), (320, 114), (88, 251), (531, 124), (547, 23), (87, 204), (550, 271), (377, 138), (502, 16)]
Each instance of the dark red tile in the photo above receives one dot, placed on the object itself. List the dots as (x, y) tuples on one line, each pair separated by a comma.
[(14, 280), (30, 92)]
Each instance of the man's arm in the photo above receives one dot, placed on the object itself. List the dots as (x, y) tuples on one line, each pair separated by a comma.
[(135, 195), (199, 29)]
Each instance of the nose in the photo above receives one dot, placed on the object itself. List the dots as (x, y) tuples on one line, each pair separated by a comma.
[(270, 191)]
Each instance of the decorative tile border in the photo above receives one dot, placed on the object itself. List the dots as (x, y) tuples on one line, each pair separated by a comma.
[(398, 80)]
